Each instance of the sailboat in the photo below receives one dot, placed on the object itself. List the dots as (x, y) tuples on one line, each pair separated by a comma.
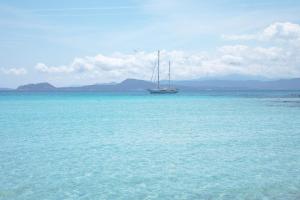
[(159, 89)]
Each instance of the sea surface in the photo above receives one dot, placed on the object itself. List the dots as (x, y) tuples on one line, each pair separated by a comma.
[(205, 145)]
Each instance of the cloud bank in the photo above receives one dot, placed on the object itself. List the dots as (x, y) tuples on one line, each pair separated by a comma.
[(276, 56), (13, 71), (280, 31)]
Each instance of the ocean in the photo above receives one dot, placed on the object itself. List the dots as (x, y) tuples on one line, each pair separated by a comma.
[(205, 145)]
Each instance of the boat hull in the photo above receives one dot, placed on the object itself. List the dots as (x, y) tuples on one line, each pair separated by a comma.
[(163, 91)]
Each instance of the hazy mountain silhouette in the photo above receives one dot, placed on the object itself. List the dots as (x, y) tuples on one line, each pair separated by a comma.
[(37, 87), (283, 84), (188, 85), (126, 85)]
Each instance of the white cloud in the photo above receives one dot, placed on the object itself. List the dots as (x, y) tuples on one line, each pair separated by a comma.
[(14, 71), (270, 62), (59, 69), (282, 31), (279, 31), (121, 66), (274, 61)]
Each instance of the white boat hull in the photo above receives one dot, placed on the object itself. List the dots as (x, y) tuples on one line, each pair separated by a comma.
[(163, 91)]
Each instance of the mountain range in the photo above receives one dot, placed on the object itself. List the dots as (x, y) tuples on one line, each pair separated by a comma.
[(187, 85)]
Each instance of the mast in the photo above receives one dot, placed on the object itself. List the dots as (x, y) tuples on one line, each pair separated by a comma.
[(169, 74), (158, 69)]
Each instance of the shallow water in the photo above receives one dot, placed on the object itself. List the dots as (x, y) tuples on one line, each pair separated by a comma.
[(207, 145)]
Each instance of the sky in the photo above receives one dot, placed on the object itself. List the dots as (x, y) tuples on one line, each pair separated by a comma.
[(77, 42)]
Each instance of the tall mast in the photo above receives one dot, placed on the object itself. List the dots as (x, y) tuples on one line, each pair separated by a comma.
[(158, 69), (169, 73)]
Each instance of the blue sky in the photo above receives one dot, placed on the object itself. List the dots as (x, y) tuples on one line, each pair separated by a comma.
[(82, 42)]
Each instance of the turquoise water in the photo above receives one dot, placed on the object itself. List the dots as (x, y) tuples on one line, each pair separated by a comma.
[(210, 145)]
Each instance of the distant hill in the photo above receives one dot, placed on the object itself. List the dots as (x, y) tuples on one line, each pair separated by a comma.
[(134, 84), (37, 87), (230, 77), (126, 85), (284, 84), (189, 85)]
